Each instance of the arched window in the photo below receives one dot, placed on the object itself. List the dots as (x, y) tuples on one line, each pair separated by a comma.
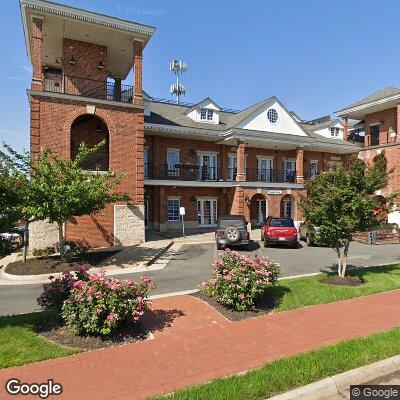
[(91, 130)]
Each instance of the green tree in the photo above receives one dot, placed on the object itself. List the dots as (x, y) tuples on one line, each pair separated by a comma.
[(13, 182), (343, 201), (60, 189)]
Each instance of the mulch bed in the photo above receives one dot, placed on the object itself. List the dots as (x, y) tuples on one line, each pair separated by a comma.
[(264, 305), (346, 281), (53, 264), (63, 336)]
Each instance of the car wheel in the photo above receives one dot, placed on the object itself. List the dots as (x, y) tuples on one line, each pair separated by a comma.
[(265, 243), (309, 241), (220, 247), (296, 245)]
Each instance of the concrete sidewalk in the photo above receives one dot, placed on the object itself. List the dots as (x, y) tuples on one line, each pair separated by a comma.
[(145, 257), (194, 344)]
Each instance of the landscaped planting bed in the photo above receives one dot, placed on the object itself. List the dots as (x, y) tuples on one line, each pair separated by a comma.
[(62, 335), (54, 264), (82, 311), (225, 289)]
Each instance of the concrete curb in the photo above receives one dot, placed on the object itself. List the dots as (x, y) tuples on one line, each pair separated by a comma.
[(151, 265), (340, 384)]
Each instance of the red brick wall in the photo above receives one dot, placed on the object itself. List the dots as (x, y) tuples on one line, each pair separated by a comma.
[(87, 57), (158, 153), (84, 77), (273, 202), (125, 127), (158, 197), (392, 153), (389, 119)]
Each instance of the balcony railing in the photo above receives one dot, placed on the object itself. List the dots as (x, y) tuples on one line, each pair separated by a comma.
[(270, 175), (73, 85), (181, 172), (184, 172)]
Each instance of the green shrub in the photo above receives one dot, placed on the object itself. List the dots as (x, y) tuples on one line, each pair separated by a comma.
[(57, 290), (101, 305), (237, 281)]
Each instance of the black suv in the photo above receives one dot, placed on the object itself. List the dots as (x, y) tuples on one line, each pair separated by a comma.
[(231, 231)]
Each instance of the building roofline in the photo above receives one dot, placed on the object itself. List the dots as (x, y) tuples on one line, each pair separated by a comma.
[(44, 6), (366, 105)]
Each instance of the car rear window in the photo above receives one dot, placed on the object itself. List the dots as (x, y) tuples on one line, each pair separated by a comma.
[(238, 223), (282, 223)]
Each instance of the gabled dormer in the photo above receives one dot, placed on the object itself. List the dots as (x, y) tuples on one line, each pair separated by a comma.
[(269, 115), (207, 111)]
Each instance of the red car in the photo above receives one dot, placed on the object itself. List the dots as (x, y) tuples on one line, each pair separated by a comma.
[(279, 230)]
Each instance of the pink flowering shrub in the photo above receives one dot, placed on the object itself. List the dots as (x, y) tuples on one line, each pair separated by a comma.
[(57, 290), (100, 305), (237, 281)]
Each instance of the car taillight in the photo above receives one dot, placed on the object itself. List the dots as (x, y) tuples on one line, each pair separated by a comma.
[(295, 232), (269, 231)]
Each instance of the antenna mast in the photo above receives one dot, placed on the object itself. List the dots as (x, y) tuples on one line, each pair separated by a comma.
[(177, 67)]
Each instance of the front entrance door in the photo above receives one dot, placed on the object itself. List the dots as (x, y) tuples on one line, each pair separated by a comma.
[(207, 212), (374, 132), (261, 211)]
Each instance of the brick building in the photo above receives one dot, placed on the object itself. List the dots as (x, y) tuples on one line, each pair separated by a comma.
[(374, 122), (210, 160)]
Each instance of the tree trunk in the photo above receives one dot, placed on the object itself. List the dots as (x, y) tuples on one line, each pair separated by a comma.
[(25, 252), (61, 238), (345, 253), (339, 264)]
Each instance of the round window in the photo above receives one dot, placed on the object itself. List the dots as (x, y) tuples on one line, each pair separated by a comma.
[(272, 115)]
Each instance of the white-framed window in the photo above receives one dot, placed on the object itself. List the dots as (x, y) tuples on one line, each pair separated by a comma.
[(313, 168), (207, 212), (335, 132), (206, 114), (272, 115), (287, 208), (173, 162), (173, 205), (232, 165), (289, 168), (266, 169), (208, 166)]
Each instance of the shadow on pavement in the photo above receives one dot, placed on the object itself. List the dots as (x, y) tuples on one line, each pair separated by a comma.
[(158, 320)]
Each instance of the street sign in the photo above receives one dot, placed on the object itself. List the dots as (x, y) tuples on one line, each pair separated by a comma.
[(274, 192), (182, 211)]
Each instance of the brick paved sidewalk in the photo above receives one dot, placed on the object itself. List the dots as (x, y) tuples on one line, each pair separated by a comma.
[(200, 345)]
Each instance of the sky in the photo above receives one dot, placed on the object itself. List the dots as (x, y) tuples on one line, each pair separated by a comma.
[(315, 56)]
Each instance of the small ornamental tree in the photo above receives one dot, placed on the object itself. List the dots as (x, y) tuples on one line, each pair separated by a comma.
[(343, 201), (60, 189)]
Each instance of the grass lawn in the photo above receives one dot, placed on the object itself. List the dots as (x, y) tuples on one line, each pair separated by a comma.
[(301, 292), (289, 373), (19, 344)]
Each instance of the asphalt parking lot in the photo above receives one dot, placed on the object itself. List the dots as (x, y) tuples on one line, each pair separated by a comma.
[(192, 264)]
